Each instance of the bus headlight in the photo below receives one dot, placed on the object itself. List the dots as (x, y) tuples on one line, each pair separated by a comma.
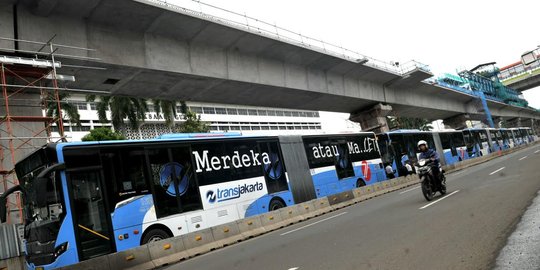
[(60, 249)]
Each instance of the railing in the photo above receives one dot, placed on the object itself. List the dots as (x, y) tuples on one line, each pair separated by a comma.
[(259, 27), (518, 71)]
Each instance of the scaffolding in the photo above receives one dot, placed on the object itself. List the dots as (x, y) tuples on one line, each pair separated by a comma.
[(29, 84)]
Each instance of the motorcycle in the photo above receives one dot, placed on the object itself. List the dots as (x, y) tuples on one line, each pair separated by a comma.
[(430, 186)]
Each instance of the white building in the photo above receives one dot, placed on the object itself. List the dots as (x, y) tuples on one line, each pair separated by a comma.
[(221, 118)]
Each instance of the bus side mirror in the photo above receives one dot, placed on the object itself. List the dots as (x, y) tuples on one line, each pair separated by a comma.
[(3, 209)]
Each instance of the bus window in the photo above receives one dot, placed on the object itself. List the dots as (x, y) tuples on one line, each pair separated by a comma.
[(188, 190), (274, 170), (125, 173), (165, 185)]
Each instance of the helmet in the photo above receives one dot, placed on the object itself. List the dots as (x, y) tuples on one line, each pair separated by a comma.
[(421, 142)]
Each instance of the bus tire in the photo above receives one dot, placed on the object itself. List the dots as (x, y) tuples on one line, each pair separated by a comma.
[(154, 235), (275, 204), (360, 182)]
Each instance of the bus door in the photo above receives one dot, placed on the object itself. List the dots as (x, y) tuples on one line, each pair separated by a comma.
[(92, 224)]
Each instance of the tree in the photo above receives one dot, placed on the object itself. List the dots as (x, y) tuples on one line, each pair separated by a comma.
[(134, 109), (192, 123), (409, 123), (102, 134), (69, 110), (168, 107)]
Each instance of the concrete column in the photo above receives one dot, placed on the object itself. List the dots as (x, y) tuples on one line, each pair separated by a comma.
[(457, 122), (373, 119), (516, 122)]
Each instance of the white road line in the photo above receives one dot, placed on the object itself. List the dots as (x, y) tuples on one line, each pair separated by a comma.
[(496, 171), (409, 190), (434, 202), (523, 158), (294, 268), (309, 225), (536, 151)]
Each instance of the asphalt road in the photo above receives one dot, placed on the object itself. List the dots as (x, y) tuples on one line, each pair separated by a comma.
[(400, 230)]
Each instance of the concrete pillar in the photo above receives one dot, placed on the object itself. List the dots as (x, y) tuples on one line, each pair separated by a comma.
[(515, 122), (373, 119), (457, 122)]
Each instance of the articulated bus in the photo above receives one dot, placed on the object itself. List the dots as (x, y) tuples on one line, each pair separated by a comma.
[(83, 200), (341, 163), (477, 142), (508, 138), (453, 146), (496, 139), (400, 146)]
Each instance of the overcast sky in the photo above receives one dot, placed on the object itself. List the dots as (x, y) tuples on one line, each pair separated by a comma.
[(446, 35)]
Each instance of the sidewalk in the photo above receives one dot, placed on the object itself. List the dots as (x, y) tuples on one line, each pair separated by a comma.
[(523, 246)]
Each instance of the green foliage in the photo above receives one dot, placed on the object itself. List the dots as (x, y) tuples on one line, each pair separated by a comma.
[(102, 134), (409, 123), (69, 110), (193, 124), (168, 107), (134, 109)]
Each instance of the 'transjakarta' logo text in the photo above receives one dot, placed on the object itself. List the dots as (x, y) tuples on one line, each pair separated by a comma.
[(226, 194)]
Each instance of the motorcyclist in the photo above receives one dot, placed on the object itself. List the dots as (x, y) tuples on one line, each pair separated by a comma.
[(426, 153)]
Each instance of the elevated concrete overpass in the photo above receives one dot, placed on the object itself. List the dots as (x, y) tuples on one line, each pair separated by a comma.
[(521, 77), (149, 49)]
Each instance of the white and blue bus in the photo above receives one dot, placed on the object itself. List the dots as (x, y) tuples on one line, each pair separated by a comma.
[(342, 162), (83, 200), (400, 146), (477, 142), (496, 139), (453, 145)]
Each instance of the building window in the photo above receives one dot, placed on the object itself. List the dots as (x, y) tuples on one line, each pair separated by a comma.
[(232, 111), (209, 110), (265, 128), (213, 128), (80, 106), (196, 109), (235, 128), (93, 106), (262, 112), (279, 113), (252, 112), (295, 114), (221, 111), (271, 113), (255, 128), (287, 113), (242, 112)]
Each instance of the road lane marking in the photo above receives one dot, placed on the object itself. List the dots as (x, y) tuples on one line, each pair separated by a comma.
[(496, 171), (294, 268), (536, 151), (434, 202), (409, 190), (523, 158), (316, 222)]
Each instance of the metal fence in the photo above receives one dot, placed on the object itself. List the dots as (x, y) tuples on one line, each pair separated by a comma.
[(10, 240)]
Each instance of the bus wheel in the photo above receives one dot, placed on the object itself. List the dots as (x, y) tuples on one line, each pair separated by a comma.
[(154, 235), (275, 204), (360, 183)]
